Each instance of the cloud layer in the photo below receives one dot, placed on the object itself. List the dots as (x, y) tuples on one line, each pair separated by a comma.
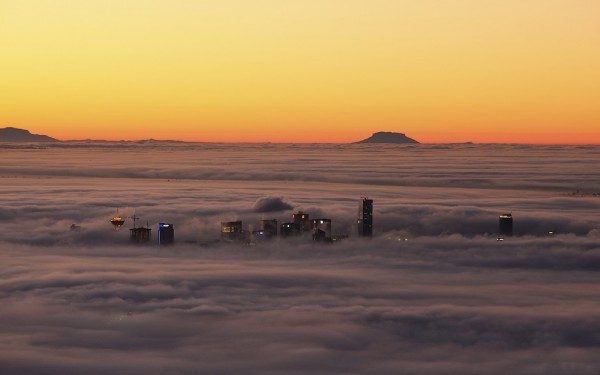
[(432, 293)]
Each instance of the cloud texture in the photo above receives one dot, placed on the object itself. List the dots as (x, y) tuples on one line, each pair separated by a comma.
[(271, 204), (448, 299)]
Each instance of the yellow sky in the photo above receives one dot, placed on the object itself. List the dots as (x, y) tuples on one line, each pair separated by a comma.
[(304, 71)]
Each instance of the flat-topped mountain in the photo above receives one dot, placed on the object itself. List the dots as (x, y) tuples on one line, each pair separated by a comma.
[(22, 135), (388, 137)]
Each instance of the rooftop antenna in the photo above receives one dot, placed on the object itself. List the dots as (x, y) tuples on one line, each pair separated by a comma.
[(134, 218)]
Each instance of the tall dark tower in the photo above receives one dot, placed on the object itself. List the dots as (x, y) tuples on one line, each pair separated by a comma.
[(505, 225), (139, 235), (365, 218)]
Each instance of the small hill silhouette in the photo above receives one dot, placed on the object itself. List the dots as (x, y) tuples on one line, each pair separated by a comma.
[(388, 137), (11, 134)]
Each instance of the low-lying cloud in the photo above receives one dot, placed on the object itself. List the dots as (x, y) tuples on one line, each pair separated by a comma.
[(360, 306), (433, 292), (271, 204)]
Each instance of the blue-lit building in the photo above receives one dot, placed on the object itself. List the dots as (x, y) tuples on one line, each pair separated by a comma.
[(166, 234)]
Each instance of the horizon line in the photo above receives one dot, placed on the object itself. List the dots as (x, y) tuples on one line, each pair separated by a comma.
[(328, 143)]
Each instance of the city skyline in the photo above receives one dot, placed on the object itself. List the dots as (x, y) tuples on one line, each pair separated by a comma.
[(232, 71), (297, 187)]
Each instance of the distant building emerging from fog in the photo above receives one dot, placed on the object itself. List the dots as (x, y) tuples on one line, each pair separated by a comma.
[(289, 229), (269, 227), (267, 231), (166, 234), (140, 235), (365, 218), (302, 220), (321, 230), (232, 231), (505, 225)]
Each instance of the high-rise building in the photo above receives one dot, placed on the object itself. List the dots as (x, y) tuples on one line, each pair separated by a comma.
[(266, 231), (166, 234), (365, 218), (289, 229), (258, 235), (269, 227), (302, 220), (232, 231), (505, 225), (140, 235), (321, 230)]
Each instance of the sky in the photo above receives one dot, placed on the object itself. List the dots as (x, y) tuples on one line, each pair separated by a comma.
[(302, 71)]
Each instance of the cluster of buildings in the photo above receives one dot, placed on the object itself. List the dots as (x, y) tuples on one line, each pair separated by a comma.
[(165, 234), (319, 228), (143, 234), (301, 224), (233, 231)]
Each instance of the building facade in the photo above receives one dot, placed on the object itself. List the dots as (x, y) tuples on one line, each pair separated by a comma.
[(289, 229), (232, 231), (365, 218), (321, 230), (140, 235), (269, 227), (302, 219), (166, 234), (505, 225)]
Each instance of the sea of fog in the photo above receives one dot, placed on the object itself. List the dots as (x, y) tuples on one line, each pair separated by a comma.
[(433, 292)]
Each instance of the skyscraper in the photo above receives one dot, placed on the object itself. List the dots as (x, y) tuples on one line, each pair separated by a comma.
[(365, 218), (269, 227), (232, 231), (289, 229), (505, 225), (166, 234), (321, 230), (267, 231), (302, 220), (139, 235)]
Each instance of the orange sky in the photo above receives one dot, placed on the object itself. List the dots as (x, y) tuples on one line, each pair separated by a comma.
[(302, 71)]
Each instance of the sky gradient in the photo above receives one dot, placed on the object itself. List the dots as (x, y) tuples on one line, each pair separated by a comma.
[(303, 71)]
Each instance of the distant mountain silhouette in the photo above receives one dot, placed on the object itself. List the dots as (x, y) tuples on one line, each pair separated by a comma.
[(388, 137), (21, 135)]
